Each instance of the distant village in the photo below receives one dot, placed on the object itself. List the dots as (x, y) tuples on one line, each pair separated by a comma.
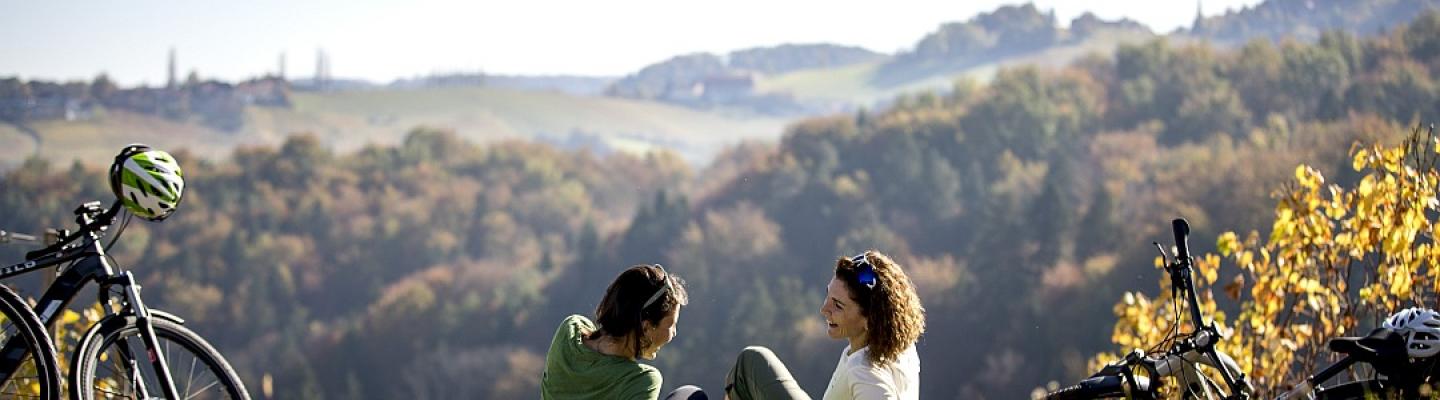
[(214, 103)]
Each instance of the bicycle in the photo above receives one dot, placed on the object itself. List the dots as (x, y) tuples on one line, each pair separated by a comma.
[(1182, 359), (163, 339), (1401, 369), (131, 352)]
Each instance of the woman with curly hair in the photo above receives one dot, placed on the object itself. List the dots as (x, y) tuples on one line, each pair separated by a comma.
[(872, 305)]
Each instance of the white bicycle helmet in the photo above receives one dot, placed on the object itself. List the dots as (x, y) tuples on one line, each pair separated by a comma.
[(1421, 328), (147, 181)]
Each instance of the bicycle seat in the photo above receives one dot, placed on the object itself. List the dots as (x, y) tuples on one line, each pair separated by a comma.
[(1381, 344)]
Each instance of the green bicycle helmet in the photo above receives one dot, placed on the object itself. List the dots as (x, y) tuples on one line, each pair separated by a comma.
[(147, 181)]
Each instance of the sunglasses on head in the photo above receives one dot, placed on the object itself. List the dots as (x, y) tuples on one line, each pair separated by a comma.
[(864, 272), (655, 297)]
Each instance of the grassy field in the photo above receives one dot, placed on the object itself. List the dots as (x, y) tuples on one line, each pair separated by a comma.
[(349, 120), (490, 113), (14, 142), (96, 140)]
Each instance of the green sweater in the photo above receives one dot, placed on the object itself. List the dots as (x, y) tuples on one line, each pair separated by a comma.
[(573, 371)]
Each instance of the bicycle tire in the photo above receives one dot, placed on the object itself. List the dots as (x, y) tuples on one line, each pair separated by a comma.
[(175, 339), (37, 346)]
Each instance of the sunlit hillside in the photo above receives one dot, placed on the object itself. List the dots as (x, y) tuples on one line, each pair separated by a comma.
[(858, 83)]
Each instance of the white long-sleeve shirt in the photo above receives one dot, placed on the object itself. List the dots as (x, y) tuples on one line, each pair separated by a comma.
[(856, 379)]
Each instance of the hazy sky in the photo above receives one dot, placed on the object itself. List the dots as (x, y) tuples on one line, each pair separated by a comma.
[(385, 40)]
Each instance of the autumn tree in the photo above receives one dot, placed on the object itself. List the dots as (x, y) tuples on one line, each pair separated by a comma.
[(1336, 261)]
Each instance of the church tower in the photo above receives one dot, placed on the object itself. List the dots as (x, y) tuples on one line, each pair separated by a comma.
[(1199, 16), (170, 77)]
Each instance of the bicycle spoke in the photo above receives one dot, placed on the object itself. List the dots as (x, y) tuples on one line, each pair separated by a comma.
[(202, 390), (117, 374), (114, 371), (190, 375), (200, 379), (108, 386)]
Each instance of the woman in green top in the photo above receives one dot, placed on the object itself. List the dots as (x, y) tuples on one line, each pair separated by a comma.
[(599, 360)]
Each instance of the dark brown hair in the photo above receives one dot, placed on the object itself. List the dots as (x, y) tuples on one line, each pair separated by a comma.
[(895, 318), (620, 312)]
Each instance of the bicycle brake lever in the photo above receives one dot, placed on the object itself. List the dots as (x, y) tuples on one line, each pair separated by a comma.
[(7, 237)]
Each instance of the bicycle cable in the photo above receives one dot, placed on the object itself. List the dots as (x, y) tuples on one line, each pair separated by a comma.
[(1173, 337), (116, 236), (1174, 334)]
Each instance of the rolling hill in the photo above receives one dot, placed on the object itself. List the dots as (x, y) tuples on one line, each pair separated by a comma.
[(859, 83), (349, 120)]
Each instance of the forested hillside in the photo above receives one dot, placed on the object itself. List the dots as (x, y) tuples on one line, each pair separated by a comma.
[(1022, 208), (1307, 19)]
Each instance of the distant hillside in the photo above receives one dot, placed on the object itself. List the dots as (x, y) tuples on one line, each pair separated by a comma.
[(811, 79), (1008, 31), (485, 113), (794, 57), (973, 49), (570, 84), (349, 120), (576, 85), (674, 74), (976, 48), (705, 80), (1307, 19)]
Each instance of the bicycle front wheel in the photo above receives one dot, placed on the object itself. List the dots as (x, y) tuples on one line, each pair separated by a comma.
[(29, 368), (107, 366)]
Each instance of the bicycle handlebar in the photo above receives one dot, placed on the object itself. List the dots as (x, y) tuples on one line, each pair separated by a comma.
[(1199, 349), (1206, 334), (100, 221), (1182, 242)]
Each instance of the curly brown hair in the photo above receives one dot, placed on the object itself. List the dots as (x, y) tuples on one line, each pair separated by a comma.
[(895, 318)]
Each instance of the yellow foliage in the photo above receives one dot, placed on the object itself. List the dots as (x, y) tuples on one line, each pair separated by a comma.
[(1377, 233)]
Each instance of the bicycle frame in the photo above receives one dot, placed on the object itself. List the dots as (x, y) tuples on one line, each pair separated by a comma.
[(1183, 364), (91, 264), (1202, 345), (1183, 359), (1307, 386)]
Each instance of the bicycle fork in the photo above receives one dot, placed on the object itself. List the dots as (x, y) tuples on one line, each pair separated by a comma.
[(147, 335)]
